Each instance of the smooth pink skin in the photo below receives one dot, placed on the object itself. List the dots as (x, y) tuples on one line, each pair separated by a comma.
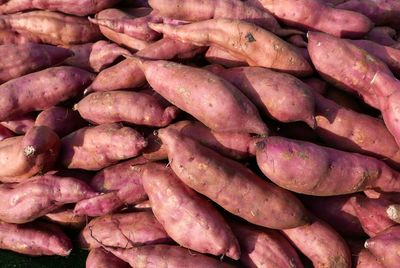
[(154, 256), (174, 205), (338, 211), (318, 85), (279, 95), (20, 124), (67, 218), (257, 46), (316, 15), (100, 258), (84, 8), (230, 184), (35, 239), (262, 248), (125, 106), (99, 205), (25, 156), (385, 246), (41, 90), (367, 260), (321, 244), (18, 60), (123, 231), (94, 148), (382, 35), (52, 27), (5, 133), (217, 55), (38, 196), (219, 105)]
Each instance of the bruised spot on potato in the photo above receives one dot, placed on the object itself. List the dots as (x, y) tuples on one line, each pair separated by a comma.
[(250, 38), (302, 155), (29, 151)]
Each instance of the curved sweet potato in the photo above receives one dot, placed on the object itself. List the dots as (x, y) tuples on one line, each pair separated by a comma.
[(20, 124), (100, 258), (66, 218), (217, 55), (383, 35)]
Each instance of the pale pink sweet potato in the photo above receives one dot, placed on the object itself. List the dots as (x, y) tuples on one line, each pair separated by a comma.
[(125, 106), (278, 95), (324, 171), (154, 256), (38, 196), (25, 156), (99, 205), (207, 232), (20, 124), (316, 15), (383, 35), (100, 258), (367, 260), (5, 133), (123, 231), (321, 244), (264, 248), (217, 55), (36, 239), (219, 105), (12, 37), (52, 27), (230, 184), (66, 217), (94, 148), (41, 90), (248, 41), (18, 60), (385, 247)]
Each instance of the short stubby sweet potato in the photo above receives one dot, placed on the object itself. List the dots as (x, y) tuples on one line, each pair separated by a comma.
[(207, 232), (324, 171), (125, 106), (94, 148), (20, 124), (5, 133), (383, 35), (18, 60), (35, 239), (100, 258), (217, 55), (66, 218), (279, 95), (123, 231), (40, 195), (248, 41), (321, 244), (230, 184), (22, 157), (52, 27), (41, 90), (219, 105)]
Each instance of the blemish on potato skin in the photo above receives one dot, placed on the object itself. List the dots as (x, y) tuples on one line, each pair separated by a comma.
[(250, 38)]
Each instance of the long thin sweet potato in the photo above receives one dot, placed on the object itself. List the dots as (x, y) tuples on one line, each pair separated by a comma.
[(100, 258), (66, 217), (98, 205)]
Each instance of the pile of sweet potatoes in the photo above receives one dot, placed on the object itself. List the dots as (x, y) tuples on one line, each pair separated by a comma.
[(217, 133)]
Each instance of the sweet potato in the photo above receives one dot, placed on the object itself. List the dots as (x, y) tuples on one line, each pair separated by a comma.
[(99, 205), (230, 184), (279, 95), (41, 90), (383, 35), (258, 47), (93, 148), (100, 258), (316, 15), (12, 37), (317, 85), (219, 105), (38, 196), (264, 248), (348, 100), (25, 156), (123, 231), (321, 244), (155, 256), (324, 171), (36, 238), (95, 57), (52, 27), (20, 124), (5, 133), (65, 217), (125, 106), (207, 232), (217, 55), (385, 247), (367, 260), (18, 60)]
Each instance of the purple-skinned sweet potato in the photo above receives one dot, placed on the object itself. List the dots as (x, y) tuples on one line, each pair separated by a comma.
[(22, 157), (12, 37), (365, 259), (230, 184), (207, 232), (41, 90), (38, 196), (52, 27), (123, 231), (258, 46), (100, 258), (219, 105), (67, 218), (383, 35), (321, 244), (125, 106), (20, 124), (324, 171), (35, 239), (18, 60), (217, 55), (281, 96), (5, 133), (317, 85), (347, 100), (99, 205), (94, 148)]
